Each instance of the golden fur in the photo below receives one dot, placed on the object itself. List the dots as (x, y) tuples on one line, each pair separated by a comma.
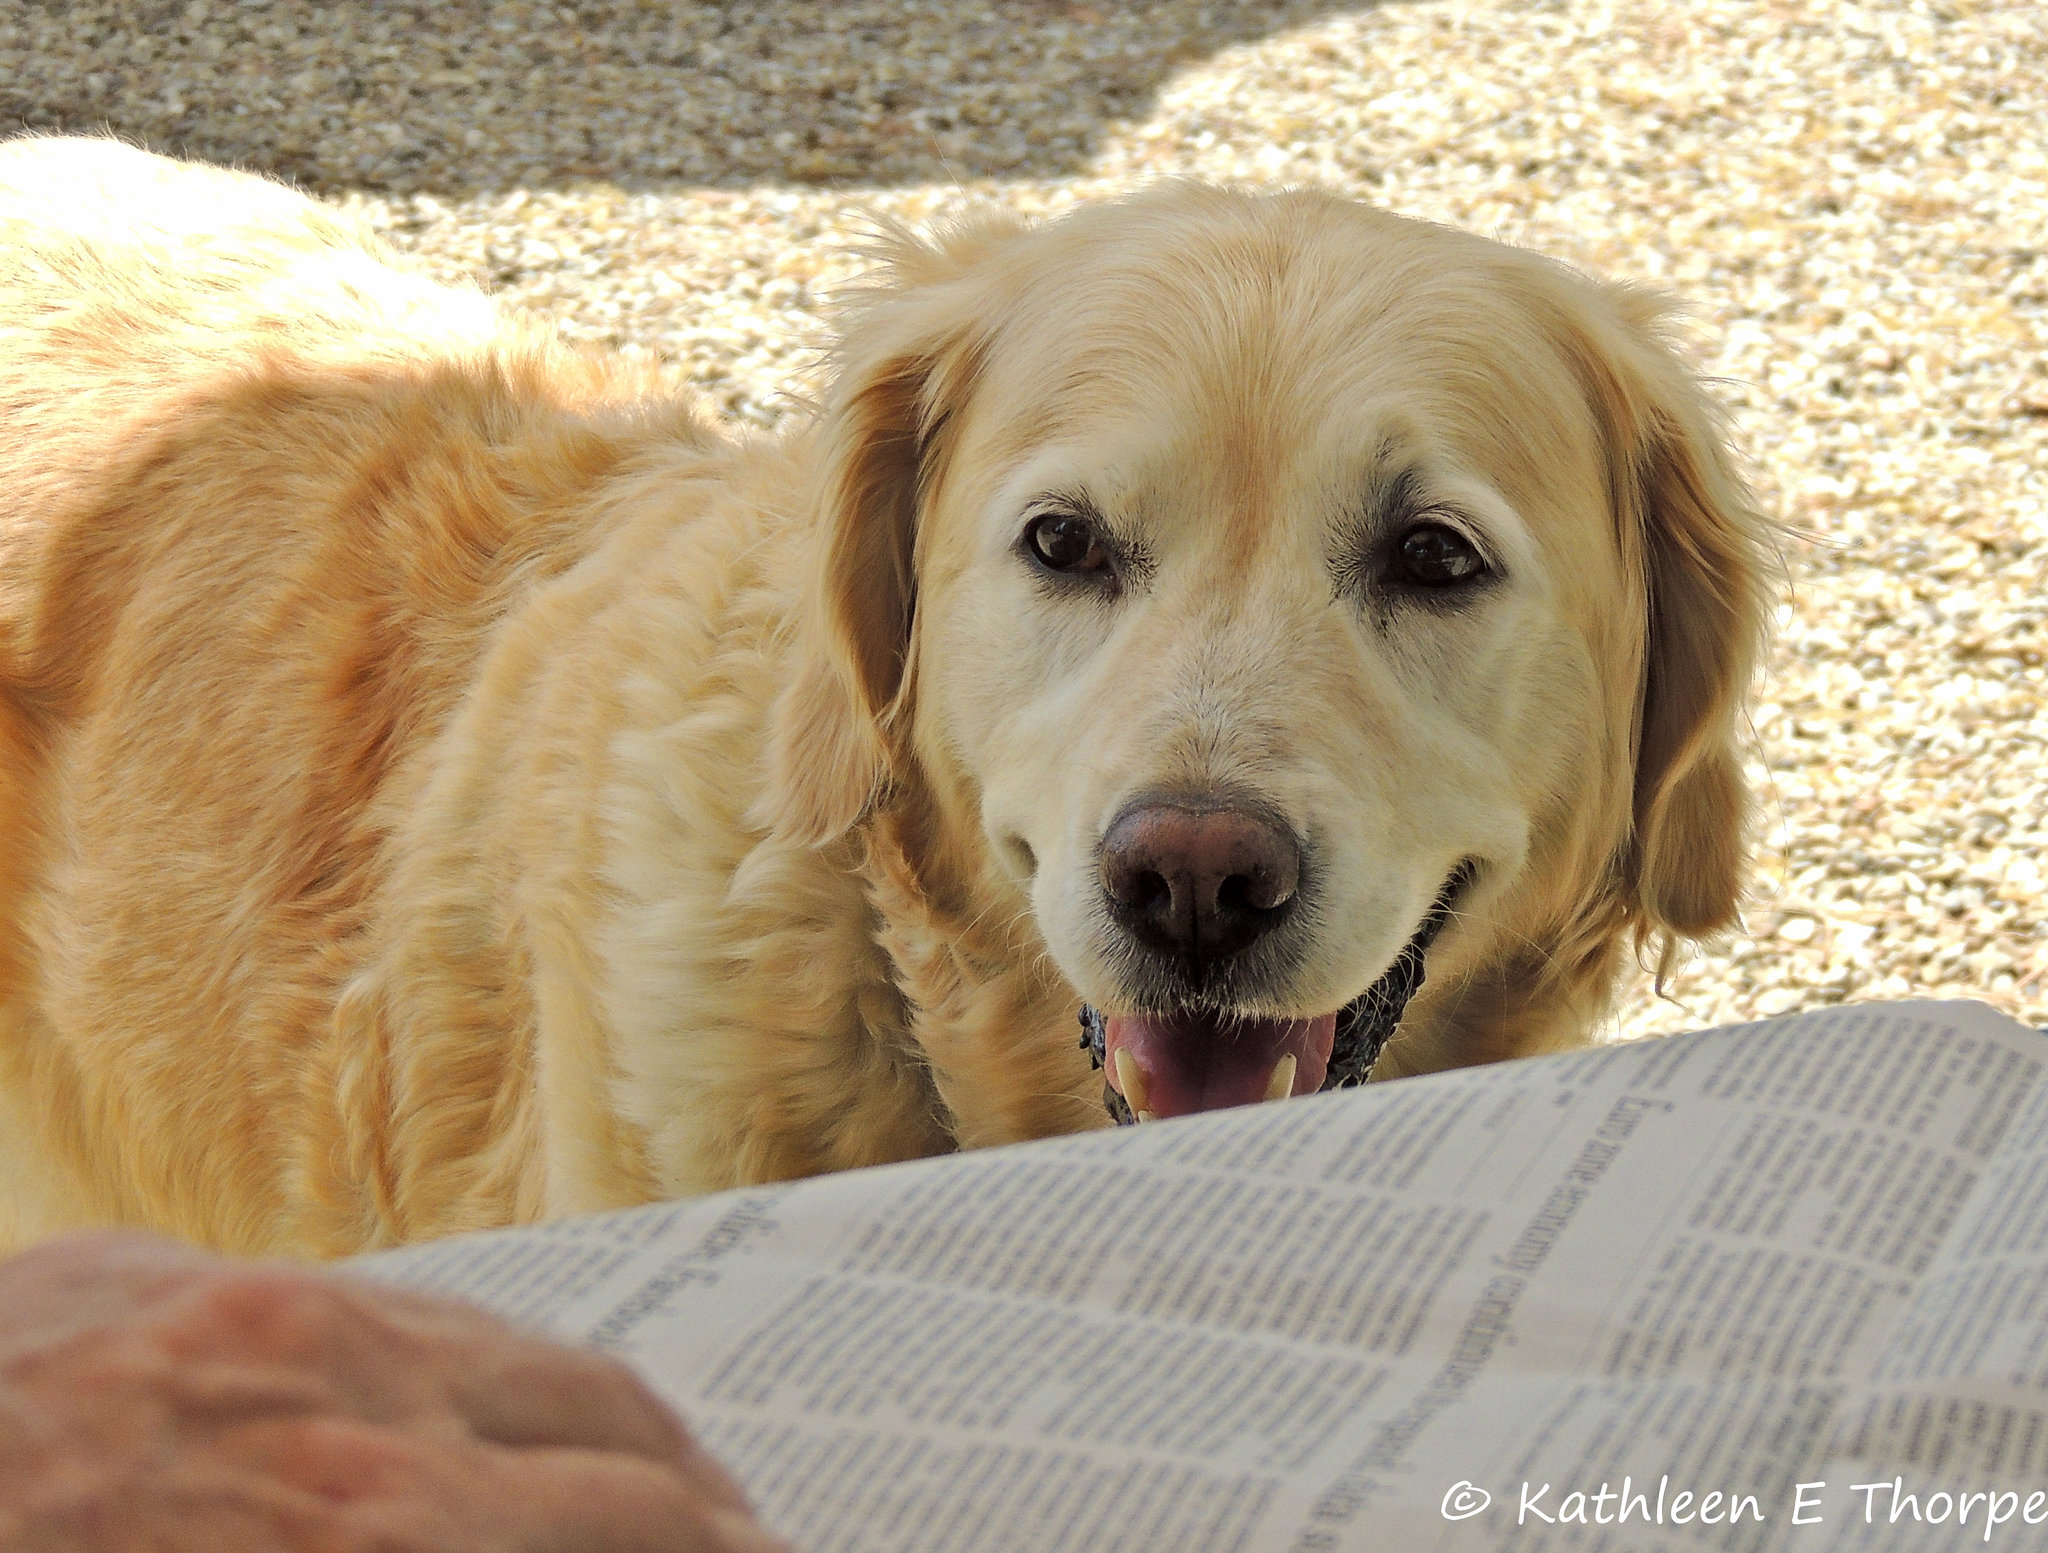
[(444, 781)]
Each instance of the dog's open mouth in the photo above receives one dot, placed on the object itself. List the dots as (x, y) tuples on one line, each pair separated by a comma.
[(1174, 1064)]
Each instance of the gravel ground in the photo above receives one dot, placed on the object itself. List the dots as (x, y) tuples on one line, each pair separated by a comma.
[(1853, 197)]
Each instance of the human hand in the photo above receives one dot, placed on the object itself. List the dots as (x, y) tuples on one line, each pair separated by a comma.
[(155, 1397)]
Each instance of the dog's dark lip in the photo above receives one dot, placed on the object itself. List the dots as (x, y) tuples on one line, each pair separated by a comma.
[(1364, 1025), (1368, 1021)]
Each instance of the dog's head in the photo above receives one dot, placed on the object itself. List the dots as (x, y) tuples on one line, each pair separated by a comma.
[(1254, 584)]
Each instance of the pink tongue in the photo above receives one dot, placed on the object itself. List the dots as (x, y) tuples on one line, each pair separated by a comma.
[(1203, 1062)]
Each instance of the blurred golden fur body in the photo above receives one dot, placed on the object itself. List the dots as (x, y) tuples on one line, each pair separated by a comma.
[(436, 791)]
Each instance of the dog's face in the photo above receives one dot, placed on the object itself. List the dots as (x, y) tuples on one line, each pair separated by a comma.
[(1279, 587)]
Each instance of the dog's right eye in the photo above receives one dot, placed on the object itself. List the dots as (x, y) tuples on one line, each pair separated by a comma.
[(1435, 555), (1062, 542)]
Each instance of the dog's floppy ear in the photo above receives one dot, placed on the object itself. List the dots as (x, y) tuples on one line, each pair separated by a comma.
[(907, 360), (1691, 529)]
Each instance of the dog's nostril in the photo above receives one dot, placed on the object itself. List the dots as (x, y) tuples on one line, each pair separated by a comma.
[(1149, 891), (1238, 893)]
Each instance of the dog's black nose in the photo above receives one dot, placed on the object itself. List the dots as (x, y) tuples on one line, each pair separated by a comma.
[(1196, 881)]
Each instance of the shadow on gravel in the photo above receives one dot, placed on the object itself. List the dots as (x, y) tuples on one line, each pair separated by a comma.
[(456, 97)]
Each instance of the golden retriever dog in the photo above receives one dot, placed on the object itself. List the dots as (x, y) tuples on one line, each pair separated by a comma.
[(445, 780)]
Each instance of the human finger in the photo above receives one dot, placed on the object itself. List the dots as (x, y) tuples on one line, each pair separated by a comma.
[(399, 1357), (390, 1488)]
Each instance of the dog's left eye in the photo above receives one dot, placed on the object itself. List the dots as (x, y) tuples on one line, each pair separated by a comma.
[(1435, 555), (1065, 543)]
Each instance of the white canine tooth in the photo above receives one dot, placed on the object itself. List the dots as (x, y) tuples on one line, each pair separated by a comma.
[(1148, 1116), (1281, 1084), (1131, 1080)]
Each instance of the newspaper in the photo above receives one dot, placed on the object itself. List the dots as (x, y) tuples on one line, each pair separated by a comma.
[(1781, 1286)]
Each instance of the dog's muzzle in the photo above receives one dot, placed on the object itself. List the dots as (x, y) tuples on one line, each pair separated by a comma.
[(1245, 1061)]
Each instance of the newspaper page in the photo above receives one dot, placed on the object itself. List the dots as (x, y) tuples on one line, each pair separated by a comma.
[(1640, 1297), (1944, 1440)]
